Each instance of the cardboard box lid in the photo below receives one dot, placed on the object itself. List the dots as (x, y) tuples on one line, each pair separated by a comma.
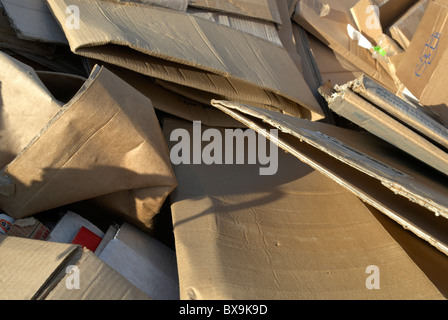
[(33, 20), (422, 67), (109, 142), (293, 235), (260, 9), (189, 51), (378, 173)]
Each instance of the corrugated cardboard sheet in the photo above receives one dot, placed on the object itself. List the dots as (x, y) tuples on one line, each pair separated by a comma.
[(407, 191), (106, 143), (189, 51), (36, 269), (422, 67), (293, 235)]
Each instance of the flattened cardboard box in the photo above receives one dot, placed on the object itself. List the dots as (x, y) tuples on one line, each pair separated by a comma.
[(409, 193), (36, 269), (189, 51), (422, 68), (292, 235), (109, 147)]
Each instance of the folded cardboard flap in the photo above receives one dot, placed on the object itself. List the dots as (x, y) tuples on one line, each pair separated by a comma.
[(207, 61), (110, 142), (379, 174), (281, 237), (261, 9), (422, 68)]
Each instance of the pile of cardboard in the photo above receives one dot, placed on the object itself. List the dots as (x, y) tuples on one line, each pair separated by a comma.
[(121, 179)]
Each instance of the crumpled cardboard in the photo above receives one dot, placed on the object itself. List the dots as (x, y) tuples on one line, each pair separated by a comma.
[(189, 51), (292, 235), (411, 194), (105, 143)]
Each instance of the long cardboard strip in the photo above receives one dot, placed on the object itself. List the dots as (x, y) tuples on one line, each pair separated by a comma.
[(375, 171), (260, 9)]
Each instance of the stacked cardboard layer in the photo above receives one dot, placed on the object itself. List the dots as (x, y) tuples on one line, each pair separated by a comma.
[(221, 150)]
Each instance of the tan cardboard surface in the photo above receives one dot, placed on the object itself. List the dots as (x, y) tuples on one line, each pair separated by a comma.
[(33, 21), (293, 235), (26, 107), (109, 142), (403, 29), (376, 172), (209, 58), (422, 67), (365, 114), (332, 30), (27, 265), (97, 281)]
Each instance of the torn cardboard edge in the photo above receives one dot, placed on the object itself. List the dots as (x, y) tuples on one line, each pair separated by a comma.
[(388, 183), (286, 226), (133, 189), (365, 114), (206, 61)]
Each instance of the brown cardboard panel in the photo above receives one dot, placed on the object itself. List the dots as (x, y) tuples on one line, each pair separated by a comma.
[(109, 142), (37, 269), (365, 114), (422, 67), (97, 281), (332, 30), (9, 39), (189, 51), (27, 265), (33, 20), (292, 235), (379, 174), (403, 29), (180, 103), (264, 9), (391, 10), (26, 107), (413, 116)]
